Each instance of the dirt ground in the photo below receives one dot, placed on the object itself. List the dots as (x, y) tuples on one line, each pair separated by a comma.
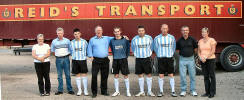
[(19, 82)]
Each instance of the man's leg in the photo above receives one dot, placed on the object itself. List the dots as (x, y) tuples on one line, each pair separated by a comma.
[(183, 81), (59, 67), (104, 77), (192, 74), (170, 66), (95, 70), (85, 83), (78, 83), (67, 74)]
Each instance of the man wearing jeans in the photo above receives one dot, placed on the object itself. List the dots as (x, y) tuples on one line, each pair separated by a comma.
[(61, 46), (187, 45)]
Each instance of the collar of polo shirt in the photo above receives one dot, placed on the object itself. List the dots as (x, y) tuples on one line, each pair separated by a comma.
[(99, 38)]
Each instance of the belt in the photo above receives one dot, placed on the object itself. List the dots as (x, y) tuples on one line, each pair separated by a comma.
[(62, 56)]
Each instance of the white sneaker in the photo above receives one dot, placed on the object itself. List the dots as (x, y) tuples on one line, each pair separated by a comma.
[(128, 94), (79, 93), (183, 93), (116, 94), (194, 93), (140, 94), (150, 94), (86, 93)]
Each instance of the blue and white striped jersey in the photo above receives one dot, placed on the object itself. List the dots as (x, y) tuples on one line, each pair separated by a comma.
[(78, 49), (142, 46), (164, 46)]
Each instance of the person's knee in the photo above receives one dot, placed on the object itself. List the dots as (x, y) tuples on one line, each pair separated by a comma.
[(171, 75), (149, 75), (161, 75), (140, 75)]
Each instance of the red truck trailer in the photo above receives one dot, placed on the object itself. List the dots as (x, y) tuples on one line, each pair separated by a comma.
[(22, 20)]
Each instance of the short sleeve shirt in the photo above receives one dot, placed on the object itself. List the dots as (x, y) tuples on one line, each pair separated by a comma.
[(41, 50)]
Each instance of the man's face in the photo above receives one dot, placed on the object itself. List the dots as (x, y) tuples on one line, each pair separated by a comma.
[(164, 29), (77, 35), (60, 34), (99, 31), (40, 40), (141, 32), (185, 31), (117, 32)]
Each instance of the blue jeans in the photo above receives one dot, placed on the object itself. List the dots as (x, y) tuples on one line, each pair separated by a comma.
[(187, 63), (63, 64)]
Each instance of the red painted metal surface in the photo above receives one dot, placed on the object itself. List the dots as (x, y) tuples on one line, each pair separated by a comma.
[(222, 29)]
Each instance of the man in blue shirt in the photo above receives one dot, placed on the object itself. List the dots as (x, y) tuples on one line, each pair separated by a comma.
[(79, 65), (121, 49), (142, 46), (98, 51), (62, 48), (164, 47)]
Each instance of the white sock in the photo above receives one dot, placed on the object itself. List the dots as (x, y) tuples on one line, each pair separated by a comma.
[(85, 82), (161, 84), (149, 84), (172, 84), (127, 84), (78, 83), (116, 84), (141, 84)]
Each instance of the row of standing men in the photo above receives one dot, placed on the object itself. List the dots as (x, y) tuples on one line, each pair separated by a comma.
[(142, 45)]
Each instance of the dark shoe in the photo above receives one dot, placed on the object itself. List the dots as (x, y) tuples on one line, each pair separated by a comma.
[(47, 94), (105, 94), (210, 96), (205, 95), (94, 95), (71, 92), (58, 93)]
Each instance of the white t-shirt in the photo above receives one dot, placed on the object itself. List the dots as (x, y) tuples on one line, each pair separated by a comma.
[(41, 50)]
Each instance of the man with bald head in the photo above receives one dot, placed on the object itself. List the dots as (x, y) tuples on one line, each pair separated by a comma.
[(164, 47)]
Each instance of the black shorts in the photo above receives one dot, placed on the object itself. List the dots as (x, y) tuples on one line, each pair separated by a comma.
[(79, 66), (120, 65), (143, 65), (165, 65)]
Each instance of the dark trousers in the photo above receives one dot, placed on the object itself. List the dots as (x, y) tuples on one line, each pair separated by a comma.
[(101, 64), (42, 71), (208, 69)]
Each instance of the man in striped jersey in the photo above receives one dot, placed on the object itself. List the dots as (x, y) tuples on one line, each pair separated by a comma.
[(164, 47), (79, 65), (142, 46)]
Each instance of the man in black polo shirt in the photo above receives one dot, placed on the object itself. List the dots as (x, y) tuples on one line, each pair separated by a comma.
[(186, 46)]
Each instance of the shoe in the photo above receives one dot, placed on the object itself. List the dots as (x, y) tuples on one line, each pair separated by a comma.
[(205, 95), (194, 93), (47, 94), (42, 94), (71, 92), (86, 93), (210, 96), (58, 93), (116, 94), (160, 94), (150, 94), (94, 95), (140, 94), (128, 94), (183, 94), (79, 93), (105, 94), (173, 94)]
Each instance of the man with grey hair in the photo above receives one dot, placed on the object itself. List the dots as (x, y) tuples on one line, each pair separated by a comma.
[(61, 47), (98, 51), (187, 47)]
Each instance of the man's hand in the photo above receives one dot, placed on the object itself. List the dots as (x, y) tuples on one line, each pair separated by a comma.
[(126, 37), (42, 59), (91, 58)]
